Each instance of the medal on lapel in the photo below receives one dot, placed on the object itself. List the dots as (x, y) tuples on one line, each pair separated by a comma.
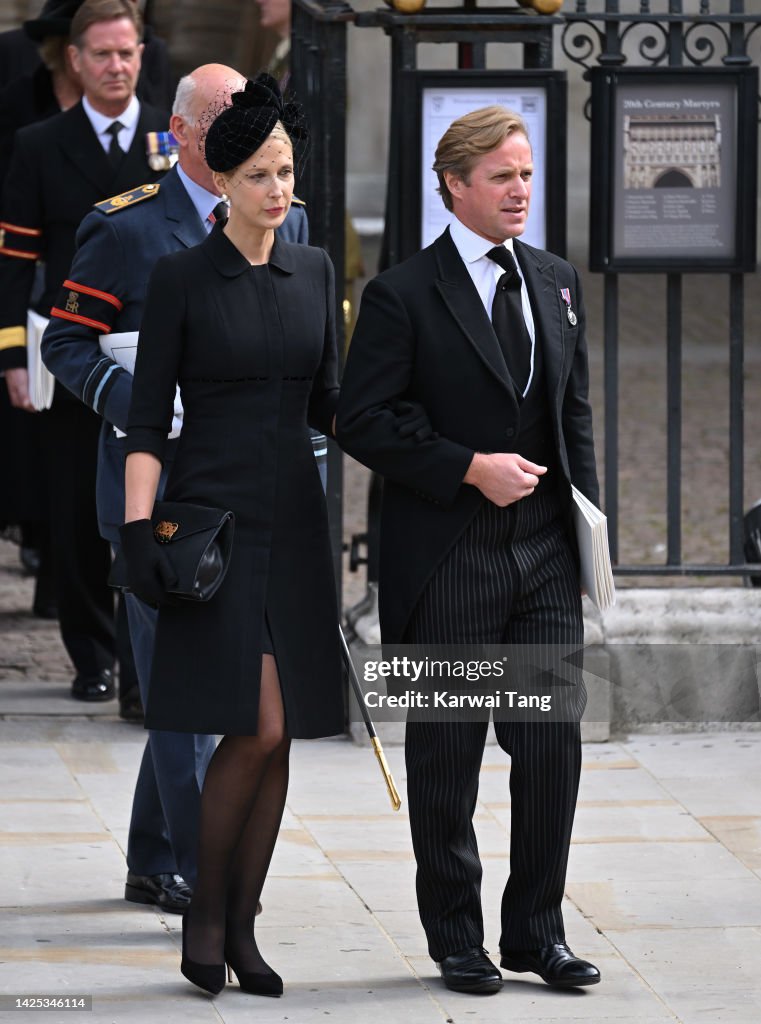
[(162, 150), (572, 318)]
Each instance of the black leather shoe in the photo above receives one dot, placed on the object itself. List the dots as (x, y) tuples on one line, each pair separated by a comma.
[(131, 708), (170, 892), (92, 688), (470, 970), (555, 964)]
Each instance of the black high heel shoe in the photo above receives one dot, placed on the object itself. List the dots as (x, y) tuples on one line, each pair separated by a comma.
[(257, 983), (210, 977)]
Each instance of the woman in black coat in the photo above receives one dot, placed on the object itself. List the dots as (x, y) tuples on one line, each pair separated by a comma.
[(245, 324)]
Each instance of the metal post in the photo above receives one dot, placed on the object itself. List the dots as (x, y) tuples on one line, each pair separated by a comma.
[(318, 78), (736, 418), (676, 35), (610, 315), (674, 417)]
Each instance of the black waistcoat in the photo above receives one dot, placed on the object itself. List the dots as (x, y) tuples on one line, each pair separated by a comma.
[(534, 439)]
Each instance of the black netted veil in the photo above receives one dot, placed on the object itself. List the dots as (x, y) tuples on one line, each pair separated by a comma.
[(236, 131)]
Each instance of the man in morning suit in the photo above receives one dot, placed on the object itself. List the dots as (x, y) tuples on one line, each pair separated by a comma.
[(118, 246), (476, 543), (60, 168)]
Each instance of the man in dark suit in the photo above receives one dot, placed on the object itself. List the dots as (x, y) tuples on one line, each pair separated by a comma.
[(60, 168), (118, 245), (476, 543), (20, 57)]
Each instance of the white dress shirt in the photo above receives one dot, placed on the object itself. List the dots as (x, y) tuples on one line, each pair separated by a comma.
[(127, 119), (485, 274)]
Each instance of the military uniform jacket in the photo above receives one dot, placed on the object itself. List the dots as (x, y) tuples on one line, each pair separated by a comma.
[(104, 292), (253, 349), (59, 170)]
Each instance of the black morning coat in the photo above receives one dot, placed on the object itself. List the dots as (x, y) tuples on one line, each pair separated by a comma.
[(253, 349), (423, 335)]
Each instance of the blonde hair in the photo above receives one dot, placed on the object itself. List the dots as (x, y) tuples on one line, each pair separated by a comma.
[(469, 138), (279, 132), (52, 51)]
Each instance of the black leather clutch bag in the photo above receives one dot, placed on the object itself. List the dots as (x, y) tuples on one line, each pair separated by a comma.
[(197, 542)]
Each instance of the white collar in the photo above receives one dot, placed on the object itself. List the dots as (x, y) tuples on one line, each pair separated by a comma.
[(471, 246), (100, 122)]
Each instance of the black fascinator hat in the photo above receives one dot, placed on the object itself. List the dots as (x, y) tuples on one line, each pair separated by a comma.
[(53, 20), (239, 129)]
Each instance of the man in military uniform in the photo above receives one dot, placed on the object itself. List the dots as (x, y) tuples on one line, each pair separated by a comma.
[(60, 168), (103, 295)]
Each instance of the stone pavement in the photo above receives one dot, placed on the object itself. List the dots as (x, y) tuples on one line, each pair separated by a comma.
[(664, 885)]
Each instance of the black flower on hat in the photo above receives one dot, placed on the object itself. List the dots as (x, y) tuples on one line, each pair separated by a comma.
[(238, 130)]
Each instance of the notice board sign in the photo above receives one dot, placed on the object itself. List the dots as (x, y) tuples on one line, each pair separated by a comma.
[(673, 169), (439, 98)]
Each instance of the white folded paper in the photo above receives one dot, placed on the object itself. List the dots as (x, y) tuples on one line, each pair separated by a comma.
[(594, 553), (122, 348), (41, 380)]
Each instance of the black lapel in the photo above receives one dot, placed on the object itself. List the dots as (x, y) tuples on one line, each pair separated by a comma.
[(179, 208), (224, 256), (79, 144), (546, 303), (464, 303), (134, 169)]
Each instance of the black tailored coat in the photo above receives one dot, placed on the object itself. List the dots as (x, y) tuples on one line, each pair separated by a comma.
[(253, 349), (116, 253), (423, 334), (27, 95), (24, 101), (18, 55)]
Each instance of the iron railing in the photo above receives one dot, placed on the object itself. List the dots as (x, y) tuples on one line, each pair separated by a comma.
[(649, 33), (669, 34)]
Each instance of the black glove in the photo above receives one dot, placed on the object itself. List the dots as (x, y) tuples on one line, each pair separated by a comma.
[(412, 421), (149, 572)]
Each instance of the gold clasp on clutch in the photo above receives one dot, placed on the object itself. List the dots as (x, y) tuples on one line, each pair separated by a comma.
[(164, 531)]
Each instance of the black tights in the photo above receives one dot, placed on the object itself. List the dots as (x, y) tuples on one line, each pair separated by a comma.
[(241, 808)]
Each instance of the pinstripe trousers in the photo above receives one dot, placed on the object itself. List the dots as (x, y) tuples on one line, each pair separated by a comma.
[(511, 578)]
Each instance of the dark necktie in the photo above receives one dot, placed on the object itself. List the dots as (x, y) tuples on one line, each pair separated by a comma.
[(220, 212), (115, 151), (507, 319)]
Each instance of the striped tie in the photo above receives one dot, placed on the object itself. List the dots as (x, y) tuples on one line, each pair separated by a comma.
[(220, 212)]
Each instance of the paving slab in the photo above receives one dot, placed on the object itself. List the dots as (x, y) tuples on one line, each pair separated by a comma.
[(724, 755), (699, 860), (702, 974), (716, 795), (692, 903), (19, 697), (666, 901)]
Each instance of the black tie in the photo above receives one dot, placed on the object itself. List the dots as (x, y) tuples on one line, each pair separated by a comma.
[(507, 318), (220, 212), (115, 151)]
